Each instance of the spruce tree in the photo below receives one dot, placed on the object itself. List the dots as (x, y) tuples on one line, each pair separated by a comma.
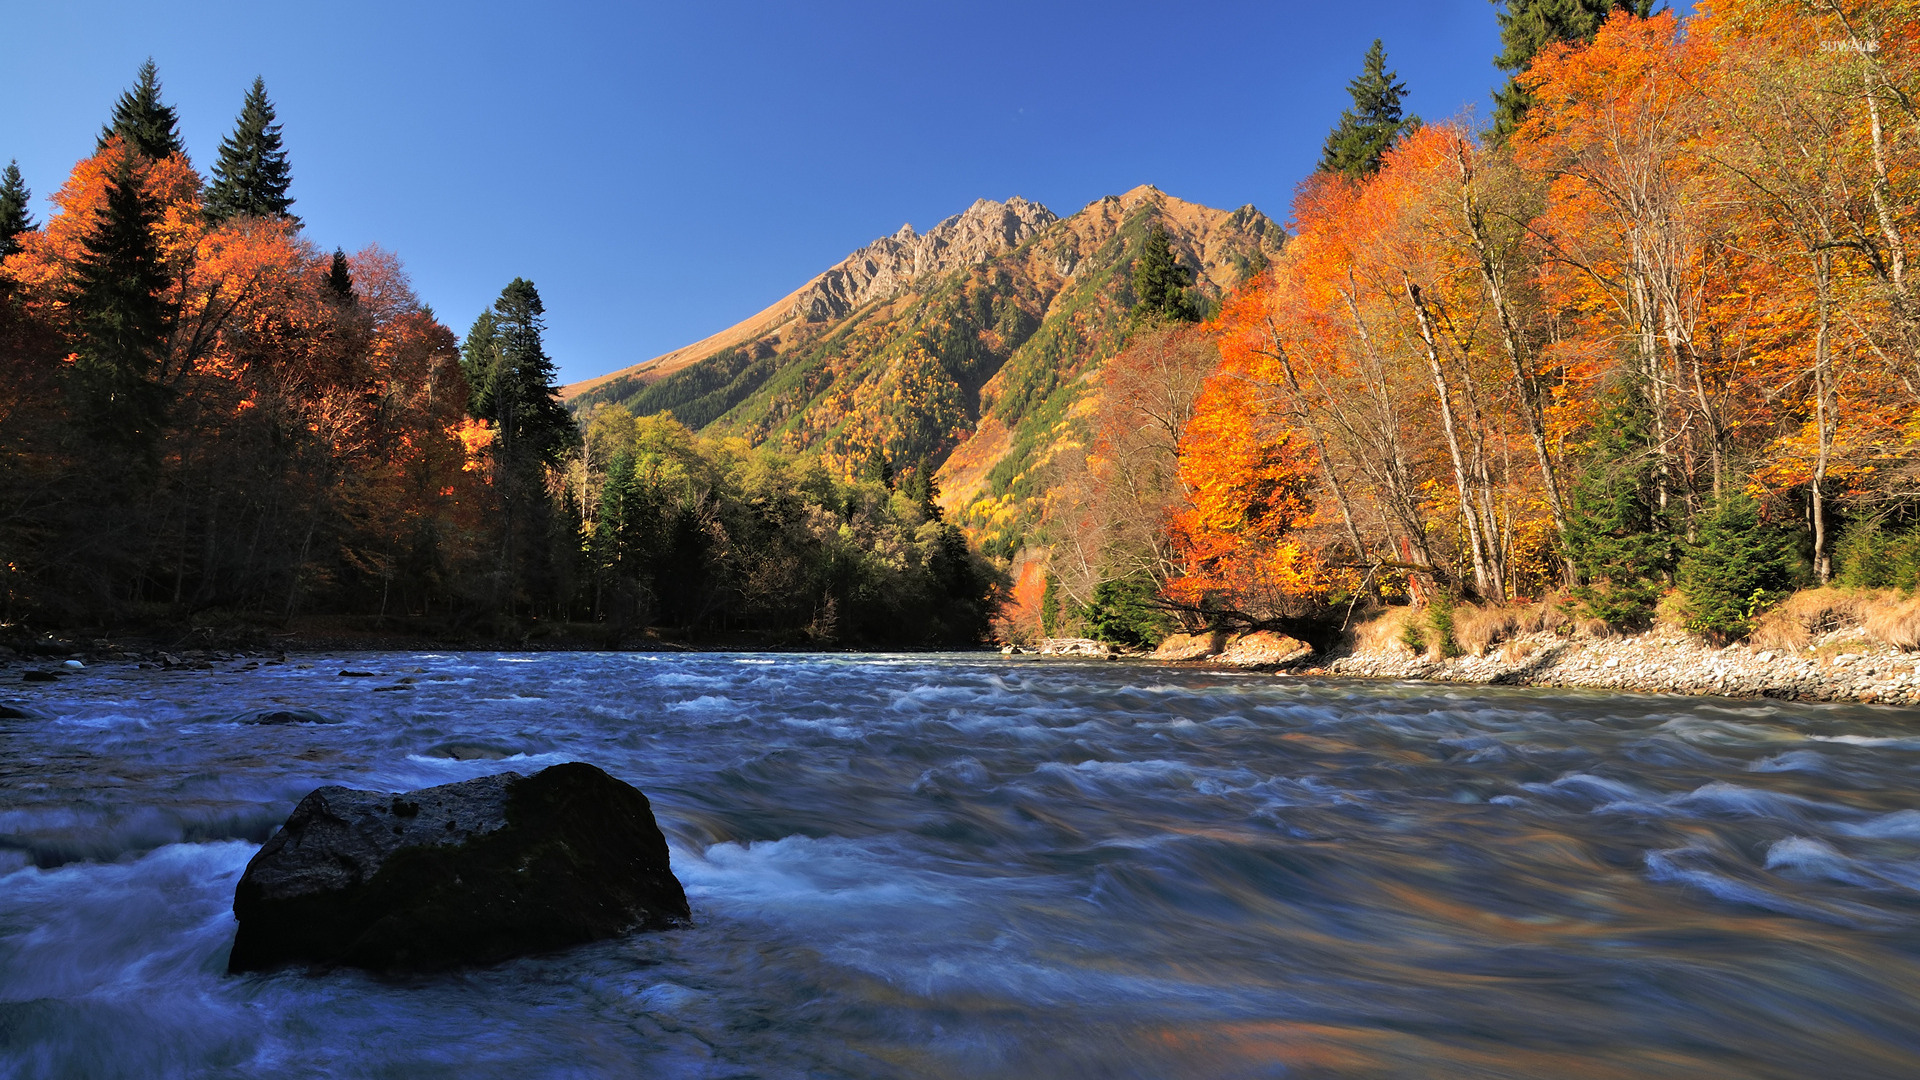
[(513, 378), (139, 117), (14, 199), (878, 468), (1160, 282), (1357, 145), (1735, 569), (1528, 26), (1618, 538), (340, 278), (252, 175), (122, 317)]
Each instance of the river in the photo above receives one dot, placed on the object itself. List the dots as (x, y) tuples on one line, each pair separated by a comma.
[(960, 866)]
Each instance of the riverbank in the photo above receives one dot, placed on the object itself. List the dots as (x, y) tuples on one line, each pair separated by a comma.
[(1840, 666)]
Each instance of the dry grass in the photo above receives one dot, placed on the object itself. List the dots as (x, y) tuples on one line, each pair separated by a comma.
[(1812, 614), (1895, 621), (1796, 621), (1513, 652), (1476, 627), (1383, 632), (1479, 627)]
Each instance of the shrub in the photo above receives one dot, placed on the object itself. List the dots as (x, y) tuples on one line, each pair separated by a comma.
[(1440, 619)]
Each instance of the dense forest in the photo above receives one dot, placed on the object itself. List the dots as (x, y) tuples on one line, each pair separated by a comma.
[(1644, 345), (209, 422), (1648, 343)]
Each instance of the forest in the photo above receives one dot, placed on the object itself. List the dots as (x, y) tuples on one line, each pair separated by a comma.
[(209, 423), (1642, 345), (1645, 344)]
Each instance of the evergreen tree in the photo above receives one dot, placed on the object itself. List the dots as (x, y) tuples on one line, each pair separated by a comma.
[(1160, 282), (139, 117), (1737, 568), (1618, 538), (1359, 143), (513, 378), (878, 468), (122, 317), (252, 175), (1528, 26), (14, 200), (922, 489), (340, 278), (1124, 613)]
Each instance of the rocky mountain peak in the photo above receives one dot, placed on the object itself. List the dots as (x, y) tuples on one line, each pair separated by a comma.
[(891, 264)]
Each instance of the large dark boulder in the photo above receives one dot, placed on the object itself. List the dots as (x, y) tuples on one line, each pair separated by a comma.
[(465, 873)]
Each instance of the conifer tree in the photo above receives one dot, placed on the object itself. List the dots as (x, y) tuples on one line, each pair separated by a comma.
[(143, 121), (252, 175), (123, 320), (1160, 282), (922, 489), (878, 468), (1618, 538), (1357, 145), (513, 378), (340, 278), (1526, 27), (14, 199), (1735, 569)]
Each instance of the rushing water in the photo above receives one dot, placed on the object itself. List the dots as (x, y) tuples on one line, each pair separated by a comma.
[(913, 866)]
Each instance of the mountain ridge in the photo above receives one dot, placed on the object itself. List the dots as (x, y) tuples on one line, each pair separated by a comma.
[(963, 349)]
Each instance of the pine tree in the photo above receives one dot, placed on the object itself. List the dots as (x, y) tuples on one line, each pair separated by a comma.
[(14, 200), (878, 469), (1160, 282), (1359, 143), (513, 378), (1618, 538), (1737, 568), (122, 317), (340, 278), (1528, 26), (139, 117), (252, 175)]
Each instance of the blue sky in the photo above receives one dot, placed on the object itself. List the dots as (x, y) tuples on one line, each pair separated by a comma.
[(661, 171)]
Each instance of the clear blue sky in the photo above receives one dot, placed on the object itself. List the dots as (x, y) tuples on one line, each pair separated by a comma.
[(661, 171)]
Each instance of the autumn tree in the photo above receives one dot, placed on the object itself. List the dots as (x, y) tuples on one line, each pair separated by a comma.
[(252, 175), (14, 201), (1528, 26), (1359, 142), (148, 125)]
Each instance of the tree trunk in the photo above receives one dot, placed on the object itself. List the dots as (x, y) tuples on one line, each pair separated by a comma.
[(1481, 582)]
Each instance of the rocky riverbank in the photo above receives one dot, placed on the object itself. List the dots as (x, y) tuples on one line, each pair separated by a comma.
[(1847, 667)]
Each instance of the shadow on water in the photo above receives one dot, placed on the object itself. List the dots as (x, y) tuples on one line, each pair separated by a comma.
[(914, 866)]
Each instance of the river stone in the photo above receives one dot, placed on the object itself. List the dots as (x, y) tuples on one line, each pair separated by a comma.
[(466, 873)]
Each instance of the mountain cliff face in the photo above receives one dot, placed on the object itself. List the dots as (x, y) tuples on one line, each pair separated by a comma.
[(892, 264), (967, 346)]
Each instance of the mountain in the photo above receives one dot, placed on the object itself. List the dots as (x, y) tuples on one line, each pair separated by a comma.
[(966, 346)]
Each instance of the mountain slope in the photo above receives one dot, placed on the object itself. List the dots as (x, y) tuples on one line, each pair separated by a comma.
[(967, 346)]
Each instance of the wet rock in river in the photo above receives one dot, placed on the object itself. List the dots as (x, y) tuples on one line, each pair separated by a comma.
[(275, 717), (464, 873), (471, 751)]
